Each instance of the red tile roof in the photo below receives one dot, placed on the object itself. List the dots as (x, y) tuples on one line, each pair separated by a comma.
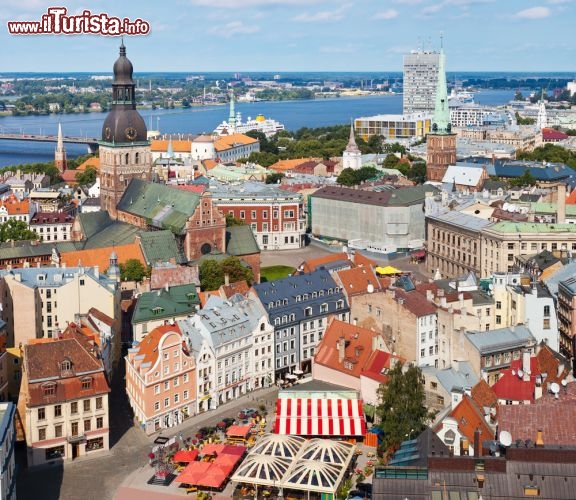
[(571, 200), (555, 418), (16, 207), (357, 343), (551, 135), (356, 280), (483, 395), (148, 348), (471, 417), (416, 302), (101, 256), (514, 388), (378, 365), (311, 265)]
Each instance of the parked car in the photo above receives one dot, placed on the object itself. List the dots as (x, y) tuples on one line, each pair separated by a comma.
[(247, 413)]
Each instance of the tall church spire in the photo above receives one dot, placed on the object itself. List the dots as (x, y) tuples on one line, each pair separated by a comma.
[(441, 121), (60, 159), (542, 118), (352, 157)]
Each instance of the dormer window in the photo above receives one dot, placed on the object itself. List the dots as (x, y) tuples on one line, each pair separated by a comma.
[(65, 366), (157, 310), (86, 383), (49, 389)]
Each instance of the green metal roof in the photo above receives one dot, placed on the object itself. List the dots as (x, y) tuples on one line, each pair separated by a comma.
[(27, 249), (162, 206), (176, 301), (160, 246), (93, 222), (117, 233), (551, 208), (410, 195), (240, 240), (531, 227)]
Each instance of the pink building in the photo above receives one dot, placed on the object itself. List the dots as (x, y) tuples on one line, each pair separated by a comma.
[(160, 379)]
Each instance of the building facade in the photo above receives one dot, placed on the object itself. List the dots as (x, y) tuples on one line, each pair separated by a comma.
[(567, 317), (52, 226), (7, 453), (394, 127), (160, 379), (275, 215), (63, 400)]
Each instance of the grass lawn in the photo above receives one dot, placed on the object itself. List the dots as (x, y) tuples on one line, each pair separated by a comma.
[(272, 273)]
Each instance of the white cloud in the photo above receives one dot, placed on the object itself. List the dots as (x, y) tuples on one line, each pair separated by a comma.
[(242, 4), (233, 28), (533, 13), (326, 16), (386, 14)]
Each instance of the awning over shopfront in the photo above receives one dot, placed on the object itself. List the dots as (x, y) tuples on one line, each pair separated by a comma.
[(319, 417), (387, 271)]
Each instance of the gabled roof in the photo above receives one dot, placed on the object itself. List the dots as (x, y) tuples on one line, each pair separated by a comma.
[(163, 207), (470, 417), (358, 280), (512, 387), (166, 302), (500, 339), (483, 394), (229, 141), (100, 230), (284, 165), (463, 175), (101, 256), (378, 365), (240, 241), (340, 259), (356, 343), (16, 207)]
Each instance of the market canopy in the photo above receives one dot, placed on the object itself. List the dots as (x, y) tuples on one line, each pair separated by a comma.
[(193, 472), (183, 456), (241, 431), (387, 271), (319, 417)]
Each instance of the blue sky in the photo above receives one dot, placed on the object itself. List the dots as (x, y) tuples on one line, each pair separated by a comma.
[(303, 35)]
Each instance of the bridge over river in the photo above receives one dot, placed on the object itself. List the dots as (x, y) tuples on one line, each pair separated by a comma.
[(91, 142)]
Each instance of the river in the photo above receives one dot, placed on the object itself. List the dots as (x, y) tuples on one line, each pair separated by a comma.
[(195, 120)]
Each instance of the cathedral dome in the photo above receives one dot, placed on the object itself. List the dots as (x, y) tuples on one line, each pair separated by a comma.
[(123, 68)]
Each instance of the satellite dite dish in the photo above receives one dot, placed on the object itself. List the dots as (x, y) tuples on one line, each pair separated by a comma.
[(554, 388), (564, 383), (370, 288), (505, 438)]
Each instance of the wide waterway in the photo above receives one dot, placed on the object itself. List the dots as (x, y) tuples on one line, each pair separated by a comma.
[(195, 120)]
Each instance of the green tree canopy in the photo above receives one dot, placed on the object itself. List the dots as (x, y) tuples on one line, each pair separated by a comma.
[(351, 177), (133, 270), (274, 177), (401, 410), (87, 177), (212, 272), (233, 221), (16, 230)]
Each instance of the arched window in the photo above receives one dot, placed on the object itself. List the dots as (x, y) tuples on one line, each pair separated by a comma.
[(126, 158), (136, 158)]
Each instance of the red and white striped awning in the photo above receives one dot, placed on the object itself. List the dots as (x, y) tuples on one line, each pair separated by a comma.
[(319, 417)]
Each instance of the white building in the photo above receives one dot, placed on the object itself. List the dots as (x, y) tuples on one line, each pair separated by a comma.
[(224, 337), (352, 157), (52, 226)]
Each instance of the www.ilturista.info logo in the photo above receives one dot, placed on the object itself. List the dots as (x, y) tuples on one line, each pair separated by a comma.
[(56, 22)]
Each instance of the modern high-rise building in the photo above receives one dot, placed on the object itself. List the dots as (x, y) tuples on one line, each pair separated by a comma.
[(420, 79)]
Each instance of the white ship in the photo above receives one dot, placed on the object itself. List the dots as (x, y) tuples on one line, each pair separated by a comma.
[(234, 125), (461, 96), (267, 126)]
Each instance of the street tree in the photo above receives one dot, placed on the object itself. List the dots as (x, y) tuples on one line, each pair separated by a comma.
[(401, 408), (212, 272), (133, 270), (16, 230)]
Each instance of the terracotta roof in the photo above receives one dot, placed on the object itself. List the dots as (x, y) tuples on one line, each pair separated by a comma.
[(555, 418), (311, 265), (178, 146), (416, 302), (193, 188), (284, 165), (16, 207), (549, 363), (378, 365), (356, 280), (209, 164), (361, 260), (69, 176), (483, 395), (173, 275), (511, 387), (240, 287), (470, 417), (93, 161), (101, 256), (571, 200), (550, 134), (229, 141), (148, 348), (100, 316), (357, 343), (42, 363)]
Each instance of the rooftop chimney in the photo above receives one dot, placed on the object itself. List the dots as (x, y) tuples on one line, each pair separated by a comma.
[(477, 445), (539, 438), (561, 204), (526, 365), (226, 279), (341, 346)]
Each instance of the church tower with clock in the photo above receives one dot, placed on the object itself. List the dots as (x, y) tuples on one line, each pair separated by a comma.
[(124, 147)]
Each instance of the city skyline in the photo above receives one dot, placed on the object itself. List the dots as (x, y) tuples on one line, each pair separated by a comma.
[(302, 35)]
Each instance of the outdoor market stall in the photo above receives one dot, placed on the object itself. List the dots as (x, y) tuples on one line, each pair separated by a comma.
[(320, 417)]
